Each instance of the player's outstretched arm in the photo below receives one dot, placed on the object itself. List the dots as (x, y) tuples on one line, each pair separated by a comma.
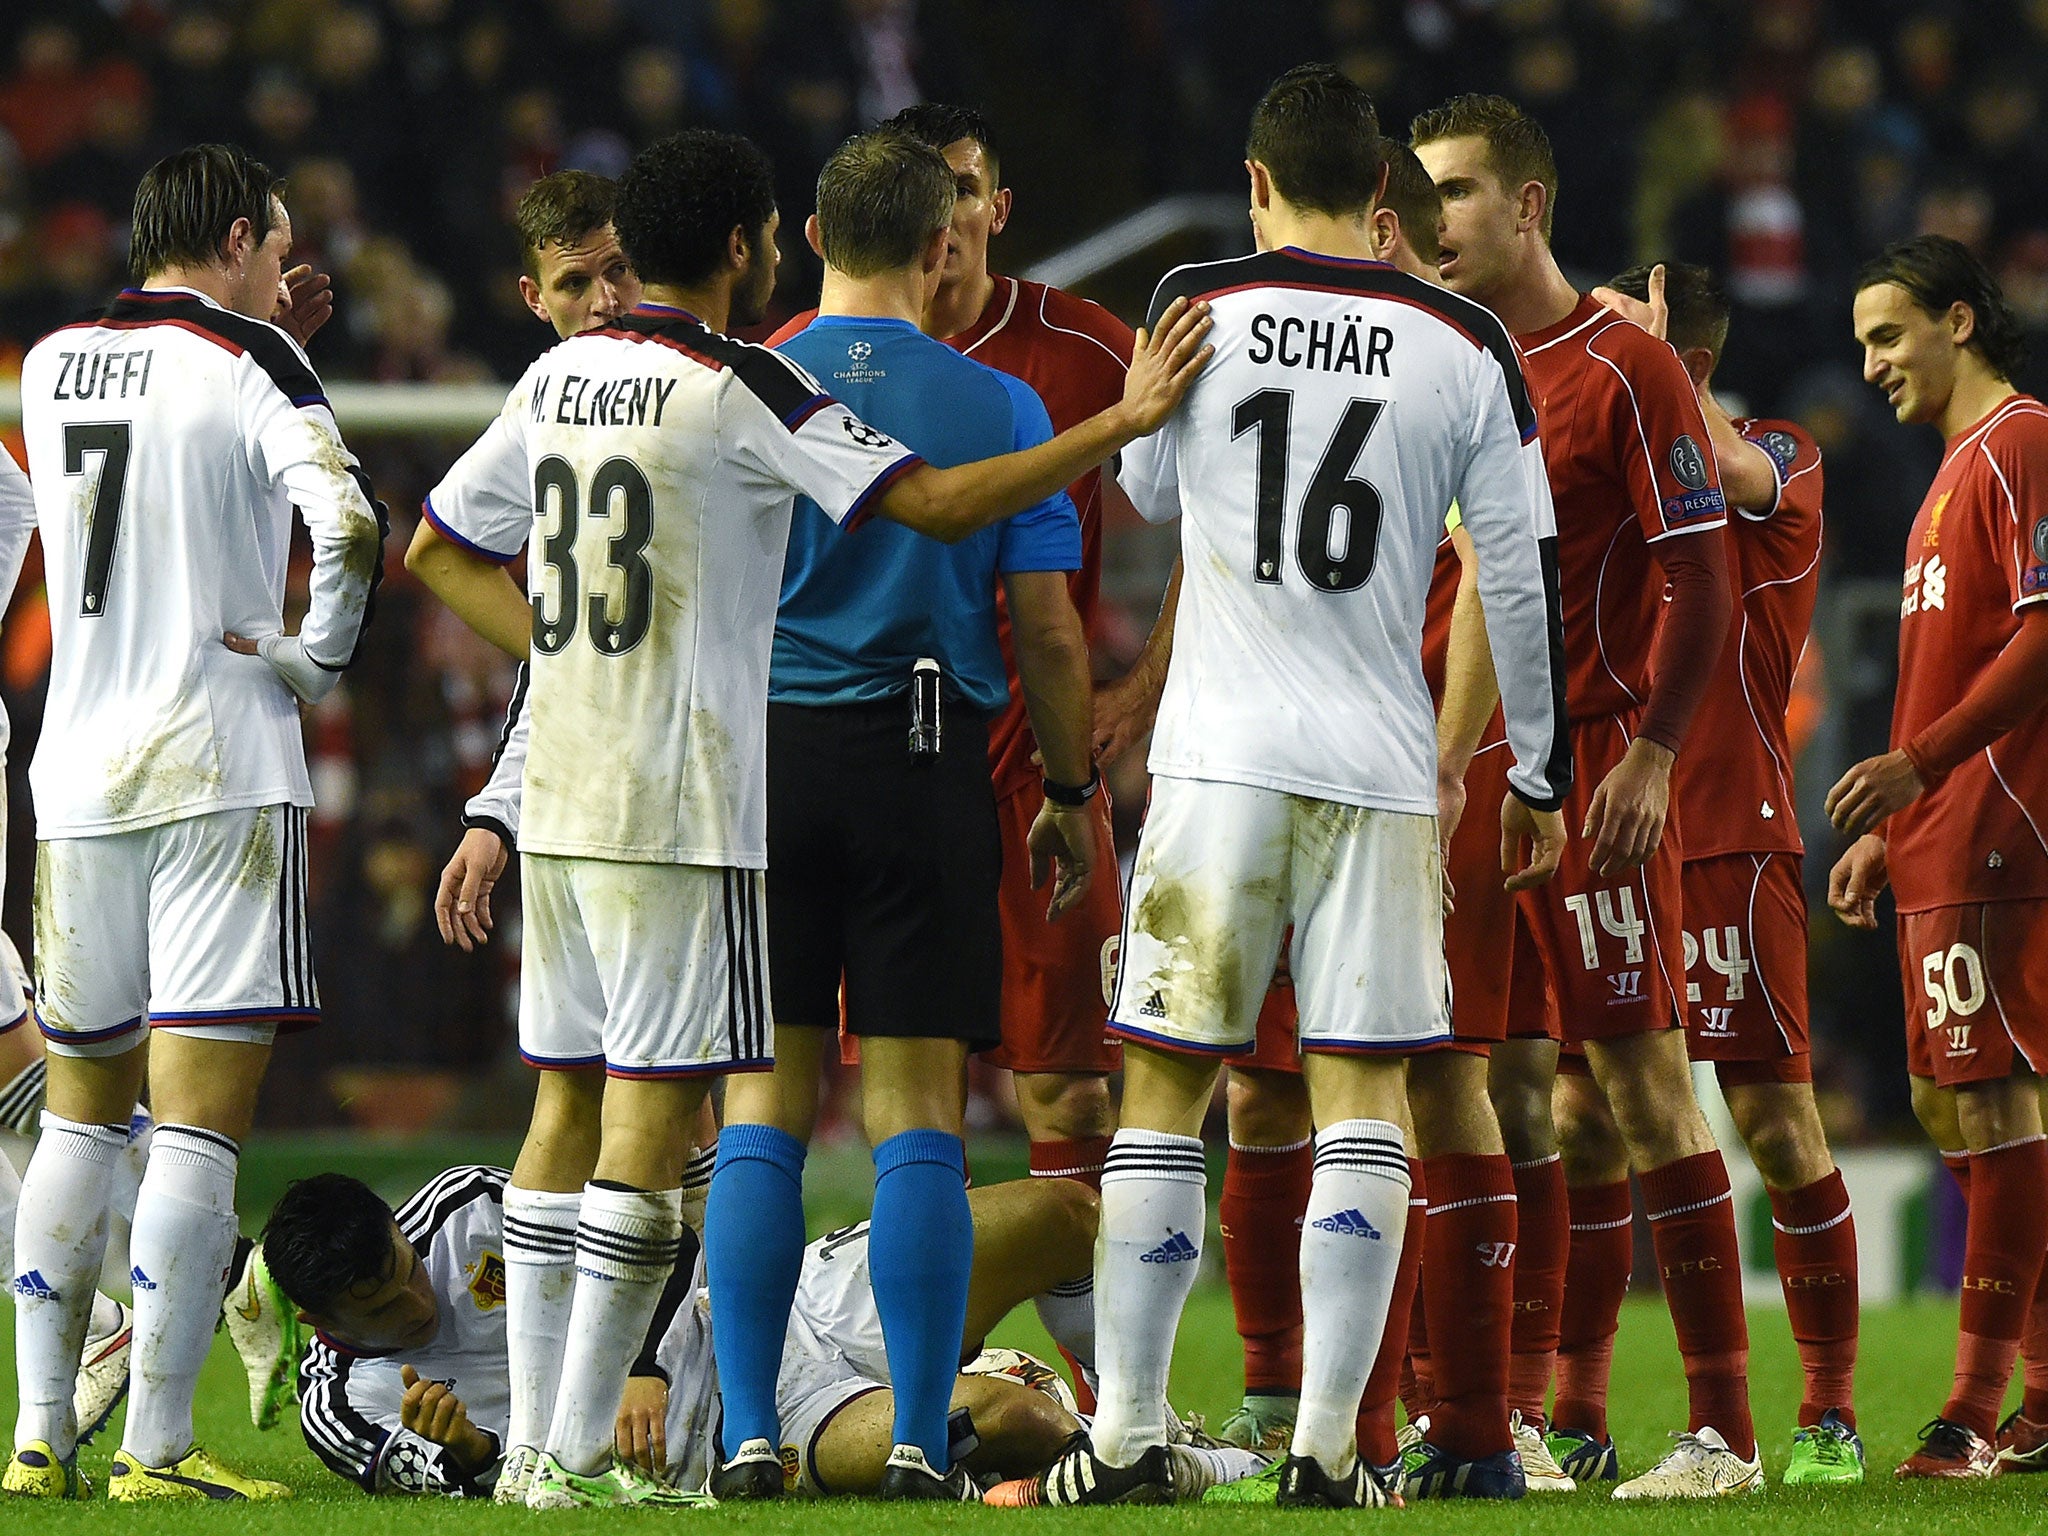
[(950, 504), (1127, 709), (481, 592)]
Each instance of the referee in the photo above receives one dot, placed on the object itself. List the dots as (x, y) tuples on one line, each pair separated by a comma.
[(883, 851)]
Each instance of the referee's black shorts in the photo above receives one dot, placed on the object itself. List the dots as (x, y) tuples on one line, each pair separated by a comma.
[(883, 868)]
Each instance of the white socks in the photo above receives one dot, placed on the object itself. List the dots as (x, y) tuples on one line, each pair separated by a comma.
[(182, 1245), (697, 1185), (60, 1234), (1147, 1251), (1350, 1248), (540, 1282), (1068, 1312), (626, 1246)]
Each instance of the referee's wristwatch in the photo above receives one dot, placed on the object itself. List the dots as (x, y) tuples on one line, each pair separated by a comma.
[(1071, 797)]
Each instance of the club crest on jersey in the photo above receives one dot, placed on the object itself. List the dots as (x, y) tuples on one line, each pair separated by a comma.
[(864, 434), (487, 1281)]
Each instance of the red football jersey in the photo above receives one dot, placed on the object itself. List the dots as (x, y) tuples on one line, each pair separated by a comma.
[(1074, 353), (1629, 465), (1978, 553), (1733, 782)]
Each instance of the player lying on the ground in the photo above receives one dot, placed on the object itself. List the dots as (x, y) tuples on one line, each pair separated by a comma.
[(410, 1307)]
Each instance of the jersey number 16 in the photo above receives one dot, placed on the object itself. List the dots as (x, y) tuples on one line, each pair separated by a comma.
[(1270, 413)]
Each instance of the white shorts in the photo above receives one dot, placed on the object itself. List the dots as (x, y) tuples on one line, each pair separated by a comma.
[(196, 926), (645, 970), (833, 1353), (1223, 869)]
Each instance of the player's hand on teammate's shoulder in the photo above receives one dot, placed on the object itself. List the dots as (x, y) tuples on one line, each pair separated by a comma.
[(1062, 843), (1164, 362), (1543, 835), (1625, 822), (288, 658), (1653, 316), (431, 1410), (1858, 878), (462, 901), (641, 1434), (1872, 790), (305, 302)]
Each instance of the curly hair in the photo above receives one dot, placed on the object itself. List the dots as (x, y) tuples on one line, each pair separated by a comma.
[(681, 199), (327, 1235), (1938, 272)]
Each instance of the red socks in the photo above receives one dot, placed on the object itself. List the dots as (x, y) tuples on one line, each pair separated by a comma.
[(1468, 1292), (1692, 1221), (2002, 1260), (1080, 1158), (1265, 1191), (1418, 1391), (2034, 1355), (1376, 1439), (1543, 1227), (1814, 1236), (1596, 1280)]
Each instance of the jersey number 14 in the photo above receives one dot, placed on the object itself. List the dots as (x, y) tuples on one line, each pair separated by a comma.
[(1270, 413)]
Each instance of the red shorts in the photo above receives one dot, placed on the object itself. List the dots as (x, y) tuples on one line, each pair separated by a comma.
[(1976, 990), (1745, 967), (1532, 1004), (1480, 927), (1057, 977), (1275, 1049), (1612, 945)]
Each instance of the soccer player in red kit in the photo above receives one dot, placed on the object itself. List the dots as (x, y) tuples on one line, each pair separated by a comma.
[(1639, 508), (1745, 908), (1953, 815)]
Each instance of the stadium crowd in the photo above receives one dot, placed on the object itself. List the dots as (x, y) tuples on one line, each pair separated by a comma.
[(1778, 143)]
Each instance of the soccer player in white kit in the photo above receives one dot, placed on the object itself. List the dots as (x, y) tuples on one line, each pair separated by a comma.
[(1295, 760), (168, 441), (654, 464)]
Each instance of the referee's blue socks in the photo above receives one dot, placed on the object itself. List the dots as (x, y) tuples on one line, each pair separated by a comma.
[(753, 1253), (920, 1251)]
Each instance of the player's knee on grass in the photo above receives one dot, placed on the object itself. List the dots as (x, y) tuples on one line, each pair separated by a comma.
[(1588, 1138), (1935, 1108), (1267, 1109), (1994, 1113), (1065, 1106), (1780, 1126)]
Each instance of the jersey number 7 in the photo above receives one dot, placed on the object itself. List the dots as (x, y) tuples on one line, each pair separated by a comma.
[(1270, 413), (109, 439)]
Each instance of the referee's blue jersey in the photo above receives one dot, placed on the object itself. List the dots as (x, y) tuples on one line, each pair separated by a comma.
[(858, 609)]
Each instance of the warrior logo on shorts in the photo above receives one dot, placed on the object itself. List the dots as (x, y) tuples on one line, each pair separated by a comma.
[(864, 434), (487, 1282)]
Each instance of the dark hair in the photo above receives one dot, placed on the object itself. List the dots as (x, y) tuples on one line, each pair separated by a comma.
[(327, 1235), (1938, 272), (683, 196), (1414, 200), (881, 196), (187, 204), (1699, 309), (936, 124), (1317, 135), (1515, 141), (560, 210)]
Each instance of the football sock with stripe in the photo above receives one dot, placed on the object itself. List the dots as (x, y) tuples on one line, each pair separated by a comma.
[(1351, 1240), (1596, 1280), (697, 1185), (1068, 1309), (1154, 1206), (753, 1254), (58, 1247), (920, 1253), (1814, 1235), (1692, 1223), (1376, 1429), (1468, 1288), (181, 1245), (2002, 1260), (21, 1097), (1265, 1190), (626, 1246), (1542, 1245), (540, 1284)]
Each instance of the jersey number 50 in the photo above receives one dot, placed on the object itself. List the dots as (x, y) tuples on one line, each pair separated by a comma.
[(1270, 413), (620, 490)]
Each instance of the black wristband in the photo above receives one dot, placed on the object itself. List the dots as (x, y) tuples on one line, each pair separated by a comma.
[(1069, 795), (492, 824)]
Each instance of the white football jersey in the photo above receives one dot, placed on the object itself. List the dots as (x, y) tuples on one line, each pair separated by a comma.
[(17, 525), (653, 466), (1348, 405), (168, 441)]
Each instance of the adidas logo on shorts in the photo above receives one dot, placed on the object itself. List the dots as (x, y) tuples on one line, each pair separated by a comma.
[(1351, 1223), (34, 1285), (1175, 1250), (1154, 1007), (139, 1280)]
